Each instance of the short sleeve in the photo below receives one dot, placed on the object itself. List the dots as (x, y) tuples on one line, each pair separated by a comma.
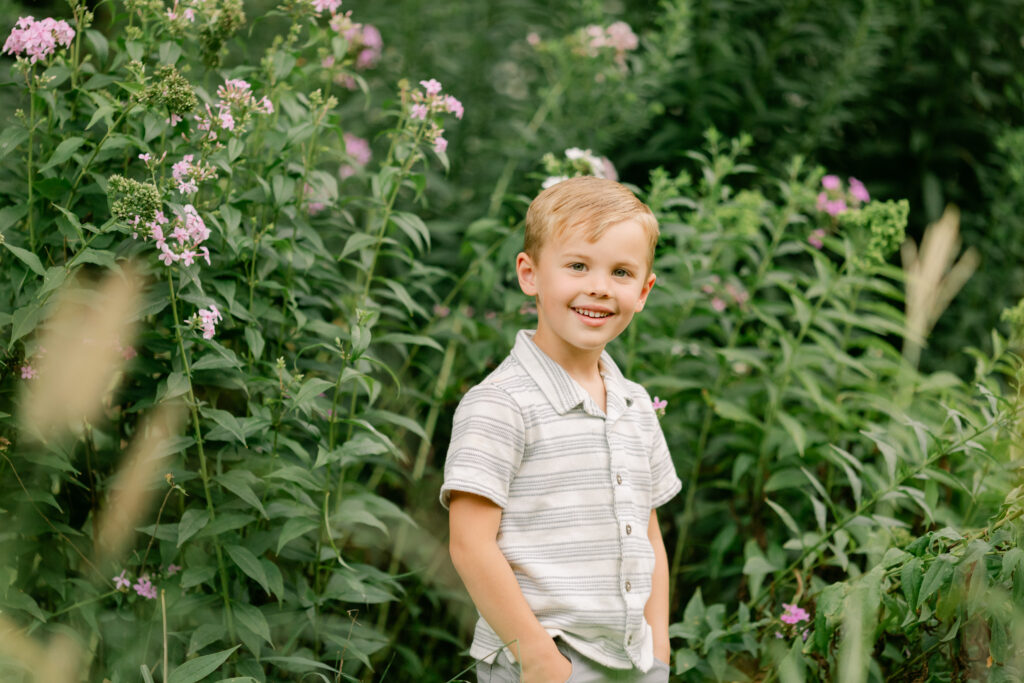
[(486, 447), (665, 483)]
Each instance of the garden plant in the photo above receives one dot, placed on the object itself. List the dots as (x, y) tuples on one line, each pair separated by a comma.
[(235, 319)]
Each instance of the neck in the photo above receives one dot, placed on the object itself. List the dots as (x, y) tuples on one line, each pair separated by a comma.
[(583, 366)]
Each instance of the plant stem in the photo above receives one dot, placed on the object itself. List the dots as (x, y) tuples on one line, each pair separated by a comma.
[(103, 140), (31, 135), (203, 473)]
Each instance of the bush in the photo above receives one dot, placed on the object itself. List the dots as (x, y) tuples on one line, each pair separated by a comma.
[(248, 244)]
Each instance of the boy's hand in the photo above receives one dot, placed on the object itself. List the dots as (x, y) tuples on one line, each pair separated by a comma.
[(550, 668)]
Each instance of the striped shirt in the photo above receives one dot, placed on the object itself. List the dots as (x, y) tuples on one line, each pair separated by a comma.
[(576, 486)]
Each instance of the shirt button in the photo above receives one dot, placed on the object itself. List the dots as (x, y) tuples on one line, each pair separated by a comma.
[(629, 530), (618, 478), (629, 586)]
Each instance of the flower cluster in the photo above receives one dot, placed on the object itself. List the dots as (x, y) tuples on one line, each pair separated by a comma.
[(143, 587), (720, 293), (358, 149), (834, 199), (618, 37), (424, 104), (792, 614), (206, 319), (188, 175), (135, 201), (171, 90), (325, 5), (234, 108), (577, 162), (182, 14), (364, 40), (659, 406), (28, 372), (177, 240), (38, 39)]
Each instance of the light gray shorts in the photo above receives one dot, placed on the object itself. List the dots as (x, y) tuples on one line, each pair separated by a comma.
[(583, 670)]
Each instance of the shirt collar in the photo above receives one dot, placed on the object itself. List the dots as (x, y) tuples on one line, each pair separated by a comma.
[(562, 391)]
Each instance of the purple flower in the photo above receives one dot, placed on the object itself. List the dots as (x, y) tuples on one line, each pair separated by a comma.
[(794, 615), (28, 372), (38, 39), (441, 311), (718, 304), (835, 207), (173, 569), (122, 582), (659, 405), (145, 588)]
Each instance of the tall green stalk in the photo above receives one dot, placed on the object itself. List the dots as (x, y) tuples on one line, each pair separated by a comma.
[(203, 470)]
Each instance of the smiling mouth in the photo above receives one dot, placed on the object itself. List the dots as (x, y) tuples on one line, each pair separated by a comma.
[(591, 314)]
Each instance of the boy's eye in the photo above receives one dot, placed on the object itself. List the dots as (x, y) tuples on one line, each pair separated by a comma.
[(621, 272), (579, 267)]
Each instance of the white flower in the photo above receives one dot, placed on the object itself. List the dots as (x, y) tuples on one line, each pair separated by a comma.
[(553, 180)]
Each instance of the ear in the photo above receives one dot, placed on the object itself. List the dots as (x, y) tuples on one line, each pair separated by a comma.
[(645, 291), (526, 270)]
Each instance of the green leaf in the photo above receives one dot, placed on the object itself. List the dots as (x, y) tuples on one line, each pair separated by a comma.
[(236, 482), (27, 257), (795, 430), (758, 565), (255, 341), (413, 226), (99, 44), (10, 139), (24, 321), (252, 618), (9, 215), (63, 152), (307, 394), (298, 475), (294, 528), (227, 421), (199, 668), (175, 385), (730, 411), (934, 579), (415, 339), (191, 522), (787, 519), (147, 677), (249, 563), (204, 634), (193, 576)]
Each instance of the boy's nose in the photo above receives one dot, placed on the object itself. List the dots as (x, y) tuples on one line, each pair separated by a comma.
[(597, 286)]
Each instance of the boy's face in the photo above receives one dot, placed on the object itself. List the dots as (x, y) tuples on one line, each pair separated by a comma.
[(587, 292)]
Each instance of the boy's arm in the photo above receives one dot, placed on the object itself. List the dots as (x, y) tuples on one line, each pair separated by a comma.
[(473, 522), (656, 610)]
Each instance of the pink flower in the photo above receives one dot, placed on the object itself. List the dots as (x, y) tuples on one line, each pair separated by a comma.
[(621, 37), (146, 157), (858, 191), (28, 372), (371, 37), (327, 62), (793, 615), (432, 87), (207, 319), (835, 207), (453, 106), (122, 582), (822, 201), (329, 5), (167, 256), (831, 182), (441, 311), (128, 352), (37, 39), (418, 111), (171, 14), (440, 144), (817, 238), (718, 304), (266, 105), (358, 148), (227, 121), (189, 14), (173, 120), (533, 39), (145, 588), (173, 569), (659, 405)]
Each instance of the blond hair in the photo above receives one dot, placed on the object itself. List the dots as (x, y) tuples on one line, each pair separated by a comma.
[(589, 204)]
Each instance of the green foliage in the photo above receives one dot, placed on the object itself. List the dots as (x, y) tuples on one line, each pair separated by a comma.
[(294, 531)]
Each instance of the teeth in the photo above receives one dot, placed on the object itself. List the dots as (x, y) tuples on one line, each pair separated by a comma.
[(591, 314)]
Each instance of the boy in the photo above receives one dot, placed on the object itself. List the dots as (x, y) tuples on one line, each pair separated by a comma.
[(557, 462)]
